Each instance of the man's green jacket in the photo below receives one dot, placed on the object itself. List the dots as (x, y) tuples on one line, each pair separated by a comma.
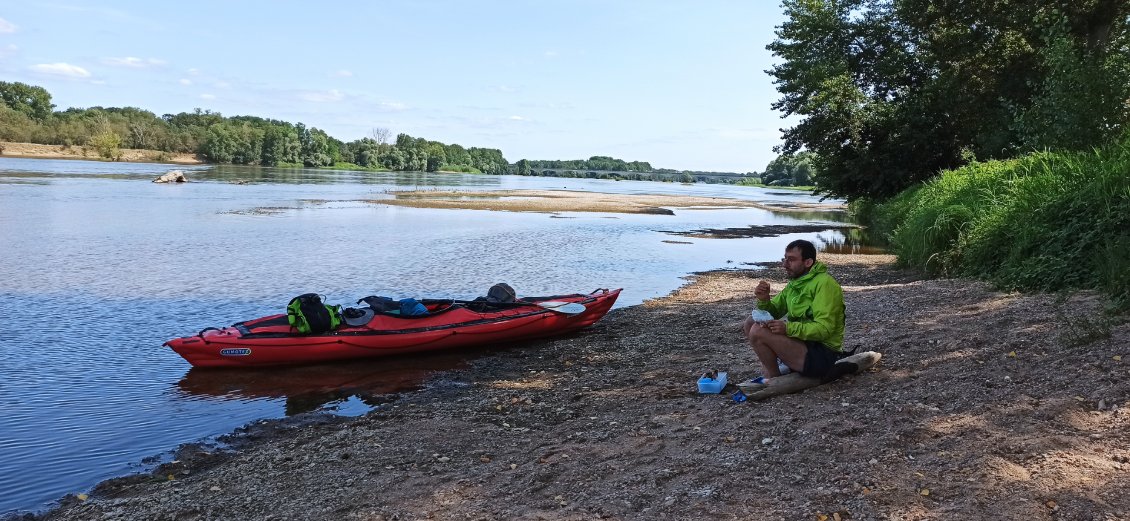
[(814, 304)]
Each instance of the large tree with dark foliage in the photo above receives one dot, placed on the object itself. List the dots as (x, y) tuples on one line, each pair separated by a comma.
[(34, 102), (892, 91)]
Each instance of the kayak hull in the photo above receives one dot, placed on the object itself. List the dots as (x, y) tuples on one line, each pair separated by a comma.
[(270, 341)]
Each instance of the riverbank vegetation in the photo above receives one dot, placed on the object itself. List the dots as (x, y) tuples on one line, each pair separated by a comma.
[(28, 116), (984, 139), (1046, 221)]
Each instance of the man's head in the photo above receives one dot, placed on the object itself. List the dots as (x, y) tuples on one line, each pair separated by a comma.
[(800, 255)]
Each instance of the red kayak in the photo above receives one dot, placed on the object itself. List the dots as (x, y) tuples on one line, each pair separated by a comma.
[(448, 323)]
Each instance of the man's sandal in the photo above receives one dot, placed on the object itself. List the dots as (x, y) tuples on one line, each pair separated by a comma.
[(754, 385)]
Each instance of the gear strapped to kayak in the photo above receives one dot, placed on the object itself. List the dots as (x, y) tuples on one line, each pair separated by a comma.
[(364, 332), (307, 314)]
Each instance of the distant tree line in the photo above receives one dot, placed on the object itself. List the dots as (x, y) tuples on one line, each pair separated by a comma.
[(596, 163), (27, 115), (790, 170), (604, 167)]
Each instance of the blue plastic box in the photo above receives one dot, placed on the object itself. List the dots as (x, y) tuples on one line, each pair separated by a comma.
[(707, 385)]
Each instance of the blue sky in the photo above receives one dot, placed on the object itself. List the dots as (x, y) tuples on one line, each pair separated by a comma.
[(679, 84)]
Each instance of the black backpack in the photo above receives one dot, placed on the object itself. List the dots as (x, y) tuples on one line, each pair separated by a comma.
[(307, 314), (501, 293)]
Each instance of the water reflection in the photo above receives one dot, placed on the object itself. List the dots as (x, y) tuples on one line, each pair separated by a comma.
[(313, 387), (855, 241), (249, 174)]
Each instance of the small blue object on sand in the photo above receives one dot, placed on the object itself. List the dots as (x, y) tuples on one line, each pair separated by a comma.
[(708, 385)]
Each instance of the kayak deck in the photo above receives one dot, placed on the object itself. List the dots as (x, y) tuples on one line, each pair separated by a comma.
[(449, 324)]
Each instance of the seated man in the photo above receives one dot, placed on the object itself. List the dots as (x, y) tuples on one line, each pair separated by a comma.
[(807, 333)]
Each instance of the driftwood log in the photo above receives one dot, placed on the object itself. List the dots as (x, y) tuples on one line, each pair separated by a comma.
[(172, 176), (794, 382)]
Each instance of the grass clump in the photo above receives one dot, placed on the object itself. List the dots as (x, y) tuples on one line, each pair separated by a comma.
[(1047, 222), (466, 169)]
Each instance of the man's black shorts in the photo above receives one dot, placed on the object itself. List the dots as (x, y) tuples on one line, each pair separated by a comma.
[(819, 359)]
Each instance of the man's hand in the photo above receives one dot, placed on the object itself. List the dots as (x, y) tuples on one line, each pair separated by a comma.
[(776, 326), (762, 291)]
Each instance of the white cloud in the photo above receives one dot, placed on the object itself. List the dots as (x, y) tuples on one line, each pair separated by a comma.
[(550, 54), (8, 50), (344, 73), (393, 105), (193, 72), (6, 26), (504, 88), (61, 69), (132, 62), (185, 81), (516, 118), (208, 96), (329, 96), (222, 85)]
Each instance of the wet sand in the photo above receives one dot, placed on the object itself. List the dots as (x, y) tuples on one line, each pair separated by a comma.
[(576, 201)]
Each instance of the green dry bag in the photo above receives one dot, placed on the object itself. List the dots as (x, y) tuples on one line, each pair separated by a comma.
[(308, 315)]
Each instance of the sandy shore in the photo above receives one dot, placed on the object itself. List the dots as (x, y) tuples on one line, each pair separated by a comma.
[(36, 151), (578, 201), (986, 405)]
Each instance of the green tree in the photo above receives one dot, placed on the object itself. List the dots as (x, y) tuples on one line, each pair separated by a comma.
[(393, 158), (189, 130), (1077, 104), (15, 125), (280, 145), (366, 152), (219, 144), (458, 156), (436, 156), (790, 170), (315, 146), (106, 142), (892, 91), (31, 100)]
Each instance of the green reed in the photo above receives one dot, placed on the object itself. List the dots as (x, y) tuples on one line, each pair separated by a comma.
[(1046, 221)]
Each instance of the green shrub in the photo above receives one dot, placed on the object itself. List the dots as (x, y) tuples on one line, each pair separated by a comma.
[(1045, 221)]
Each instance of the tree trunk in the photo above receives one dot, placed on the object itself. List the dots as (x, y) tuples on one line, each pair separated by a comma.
[(794, 382)]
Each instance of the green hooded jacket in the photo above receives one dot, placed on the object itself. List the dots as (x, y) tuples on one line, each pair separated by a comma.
[(814, 304)]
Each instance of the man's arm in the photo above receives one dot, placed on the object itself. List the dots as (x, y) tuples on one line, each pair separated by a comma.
[(827, 312), (775, 306)]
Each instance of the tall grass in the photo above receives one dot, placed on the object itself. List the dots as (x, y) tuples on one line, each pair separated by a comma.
[(1046, 221)]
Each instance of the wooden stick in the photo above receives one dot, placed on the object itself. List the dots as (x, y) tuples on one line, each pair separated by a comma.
[(794, 382)]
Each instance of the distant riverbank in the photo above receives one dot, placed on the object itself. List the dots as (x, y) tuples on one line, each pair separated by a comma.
[(37, 151), (583, 201)]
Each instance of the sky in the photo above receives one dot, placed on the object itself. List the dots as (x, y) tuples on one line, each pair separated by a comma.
[(678, 84)]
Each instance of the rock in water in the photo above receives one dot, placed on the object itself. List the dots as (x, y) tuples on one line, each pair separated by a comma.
[(172, 176)]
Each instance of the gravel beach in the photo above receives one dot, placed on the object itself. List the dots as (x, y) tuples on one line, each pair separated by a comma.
[(985, 405)]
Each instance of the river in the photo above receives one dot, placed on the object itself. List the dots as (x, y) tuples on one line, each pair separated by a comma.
[(99, 266)]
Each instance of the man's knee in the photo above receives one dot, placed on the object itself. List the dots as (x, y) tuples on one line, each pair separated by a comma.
[(758, 333)]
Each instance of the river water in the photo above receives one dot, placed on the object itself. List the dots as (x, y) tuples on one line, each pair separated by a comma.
[(99, 266)]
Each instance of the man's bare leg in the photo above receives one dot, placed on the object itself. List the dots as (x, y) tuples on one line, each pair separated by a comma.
[(769, 347)]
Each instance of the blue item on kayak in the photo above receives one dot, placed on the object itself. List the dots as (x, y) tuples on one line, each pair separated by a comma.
[(410, 307)]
